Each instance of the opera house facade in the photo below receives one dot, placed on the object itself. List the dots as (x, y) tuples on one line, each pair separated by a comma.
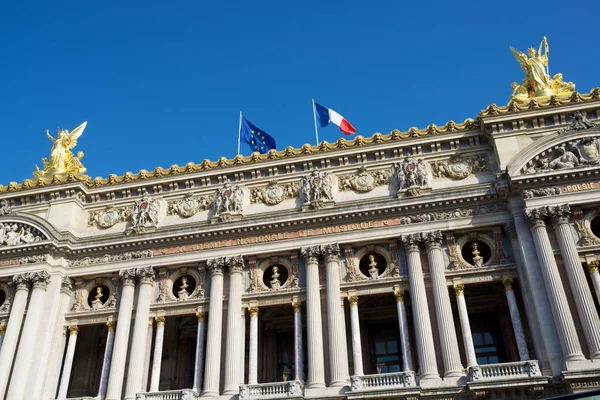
[(454, 261)]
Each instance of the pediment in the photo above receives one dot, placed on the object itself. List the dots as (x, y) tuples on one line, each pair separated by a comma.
[(15, 231)]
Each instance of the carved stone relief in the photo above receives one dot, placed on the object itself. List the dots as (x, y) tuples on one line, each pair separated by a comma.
[(107, 258), (580, 122), (542, 192), (459, 166), (189, 205), (363, 181), (586, 237), (457, 213), (317, 190), (574, 154), (109, 216), (411, 176), (228, 203), (167, 279), (17, 233), (274, 193), (83, 288), (146, 214), (5, 208)]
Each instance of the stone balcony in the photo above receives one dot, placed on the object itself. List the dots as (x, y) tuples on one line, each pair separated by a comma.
[(182, 394), (380, 385), (275, 390), (521, 373)]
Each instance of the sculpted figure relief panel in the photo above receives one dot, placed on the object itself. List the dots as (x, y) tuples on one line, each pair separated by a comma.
[(412, 176), (17, 233), (317, 189)]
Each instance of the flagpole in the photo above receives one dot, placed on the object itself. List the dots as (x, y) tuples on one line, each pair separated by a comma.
[(315, 119), (239, 133)]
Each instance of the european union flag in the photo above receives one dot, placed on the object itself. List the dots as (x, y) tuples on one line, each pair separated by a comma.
[(256, 139)]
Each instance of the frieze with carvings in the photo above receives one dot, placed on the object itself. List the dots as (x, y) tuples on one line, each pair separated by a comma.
[(411, 176), (17, 233), (274, 193), (363, 181), (108, 258), (457, 213), (459, 166), (110, 216), (542, 192), (189, 205), (574, 154), (40, 258)]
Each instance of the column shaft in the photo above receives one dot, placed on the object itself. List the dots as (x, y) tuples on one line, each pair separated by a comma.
[(158, 349), (403, 325), (593, 270), (579, 286), (68, 364), (515, 317), (110, 338), (423, 333), (298, 345), (556, 294), (465, 326), (233, 344), (199, 360), (13, 329), (253, 347), (243, 351), (119, 354), (316, 364), (212, 370), (148, 355), (135, 371), (356, 344), (443, 308)]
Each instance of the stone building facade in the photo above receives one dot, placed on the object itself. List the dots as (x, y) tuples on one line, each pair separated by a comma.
[(456, 261)]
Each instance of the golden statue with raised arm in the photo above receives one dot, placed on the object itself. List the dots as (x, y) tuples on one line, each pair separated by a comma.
[(62, 162), (537, 81)]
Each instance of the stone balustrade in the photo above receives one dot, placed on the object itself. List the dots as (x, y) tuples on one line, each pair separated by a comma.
[(383, 381), (505, 371), (184, 394), (275, 390)]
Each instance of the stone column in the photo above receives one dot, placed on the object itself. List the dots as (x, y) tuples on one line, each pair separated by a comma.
[(582, 295), (119, 353), (298, 346), (213, 339), (592, 267), (443, 309), (199, 361), (465, 326), (403, 324), (29, 336), (243, 351), (135, 371), (423, 333), (68, 364), (563, 319), (338, 350), (314, 334), (2, 332), (253, 347), (148, 355), (356, 344), (158, 349), (110, 338), (515, 317), (233, 344), (13, 328)]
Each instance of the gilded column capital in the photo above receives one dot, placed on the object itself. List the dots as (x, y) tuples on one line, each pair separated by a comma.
[(399, 294), (201, 315), (73, 330), (216, 265), (536, 216), (235, 264), (2, 330), (160, 321), (433, 239), (253, 311), (592, 266), (310, 253), (459, 289), (331, 251), (127, 276), (111, 325), (39, 279), (145, 275), (353, 300), (507, 283), (411, 242), (560, 214), (21, 281), (297, 305), (66, 285)]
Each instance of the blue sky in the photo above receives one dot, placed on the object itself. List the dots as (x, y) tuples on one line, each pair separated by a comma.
[(162, 83)]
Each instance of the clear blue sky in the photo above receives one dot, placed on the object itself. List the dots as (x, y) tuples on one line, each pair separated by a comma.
[(163, 82)]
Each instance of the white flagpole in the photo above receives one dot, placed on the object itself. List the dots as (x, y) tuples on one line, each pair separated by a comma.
[(315, 118), (239, 133)]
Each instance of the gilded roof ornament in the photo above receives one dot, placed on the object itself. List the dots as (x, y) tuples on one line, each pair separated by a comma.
[(537, 82), (62, 162)]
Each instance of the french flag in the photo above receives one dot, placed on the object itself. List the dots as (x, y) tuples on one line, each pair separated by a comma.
[(326, 115)]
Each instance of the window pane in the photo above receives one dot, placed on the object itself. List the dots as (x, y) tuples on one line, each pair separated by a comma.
[(482, 360), (477, 338), (379, 348), (488, 338), (395, 368), (392, 346), (493, 360)]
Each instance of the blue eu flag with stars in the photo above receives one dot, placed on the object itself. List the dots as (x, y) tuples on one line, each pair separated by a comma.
[(257, 139)]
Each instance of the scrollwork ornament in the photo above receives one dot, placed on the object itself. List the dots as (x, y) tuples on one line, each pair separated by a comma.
[(459, 166), (189, 205), (109, 216), (40, 258), (130, 255), (542, 192), (363, 181), (274, 193)]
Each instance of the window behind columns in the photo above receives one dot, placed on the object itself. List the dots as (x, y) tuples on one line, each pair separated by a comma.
[(87, 362), (385, 347)]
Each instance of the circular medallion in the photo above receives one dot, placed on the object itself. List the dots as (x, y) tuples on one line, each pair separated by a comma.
[(189, 205), (274, 192), (459, 167), (109, 217)]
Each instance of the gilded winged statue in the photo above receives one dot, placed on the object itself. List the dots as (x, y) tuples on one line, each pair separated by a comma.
[(62, 161), (537, 81)]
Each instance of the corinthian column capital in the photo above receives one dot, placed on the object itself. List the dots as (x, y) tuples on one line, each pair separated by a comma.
[(433, 239), (145, 274), (216, 265), (39, 279), (330, 251), (21, 281), (536, 216), (235, 264), (411, 241), (310, 253), (560, 214), (127, 276)]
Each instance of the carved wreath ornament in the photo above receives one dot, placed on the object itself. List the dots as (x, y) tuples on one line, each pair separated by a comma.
[(458, 166)]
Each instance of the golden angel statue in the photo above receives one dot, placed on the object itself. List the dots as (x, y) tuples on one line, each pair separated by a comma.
[(537, 81), (62, 161)]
